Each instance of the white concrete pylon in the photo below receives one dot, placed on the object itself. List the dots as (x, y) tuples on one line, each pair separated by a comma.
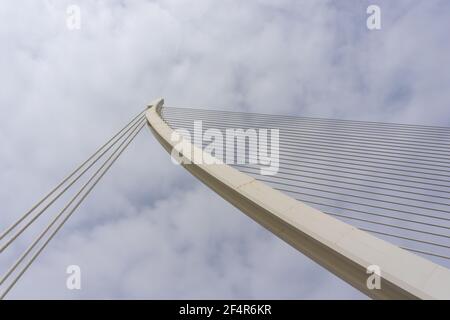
[(342, 249)]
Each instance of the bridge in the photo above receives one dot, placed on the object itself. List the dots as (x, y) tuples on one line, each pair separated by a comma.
[(356, 197)]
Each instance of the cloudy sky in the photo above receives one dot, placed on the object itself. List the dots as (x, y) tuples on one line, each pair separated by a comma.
[(150, 230)]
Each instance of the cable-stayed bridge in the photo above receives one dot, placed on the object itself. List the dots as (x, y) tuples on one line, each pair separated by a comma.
[(348, 194)]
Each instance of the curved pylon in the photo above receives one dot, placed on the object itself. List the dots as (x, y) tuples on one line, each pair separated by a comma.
[(344, 250)]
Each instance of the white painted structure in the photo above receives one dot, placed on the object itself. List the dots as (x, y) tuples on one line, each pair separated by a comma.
[(342, 249)]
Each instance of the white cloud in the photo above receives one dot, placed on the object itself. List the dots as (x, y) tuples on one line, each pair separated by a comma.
[(63, 92)]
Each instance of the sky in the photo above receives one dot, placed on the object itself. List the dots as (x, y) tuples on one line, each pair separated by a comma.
[(150, 230)]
